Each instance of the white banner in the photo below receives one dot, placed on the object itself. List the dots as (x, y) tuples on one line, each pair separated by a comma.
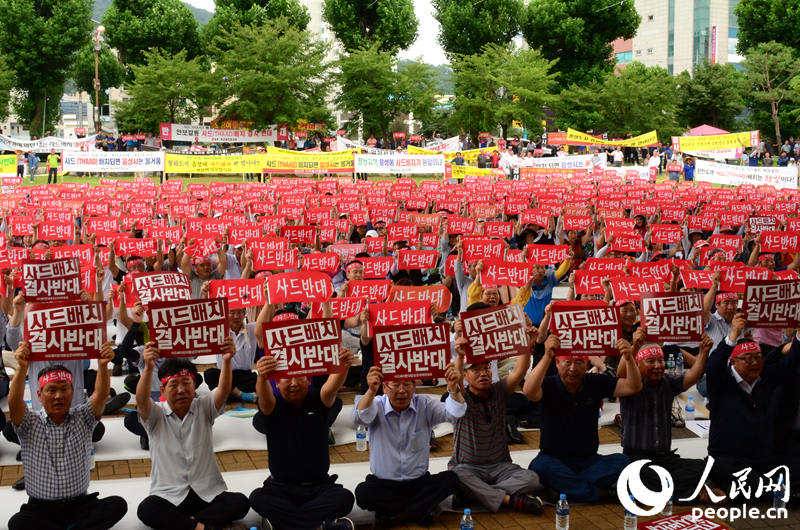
[(564, 162), (450, 145), (718, 154), (779, 177), (401, 164), (190, 133), (345, 144), (113, 161), (44, 145)]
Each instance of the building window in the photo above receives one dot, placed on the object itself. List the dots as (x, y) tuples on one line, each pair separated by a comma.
[(624, 57), (649, 51), (671, 37), (702, 31)]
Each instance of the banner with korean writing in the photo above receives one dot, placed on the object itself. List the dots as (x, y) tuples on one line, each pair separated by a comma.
[(307, 163), (303, 348), (734, 278), (672, 317), (372, 290), (779, 177), (63, 331), (51, 280), (239, 292), (408, 164), (148, 287), (320, 261), (132, 246), (585, 328), (643, 140), (113, 161), (716, 141), (777, 241), (409, 352), (772, 303), (342, 307), (546, 254), (633, 288), (591, 281), (497, 272), (299, 286), (409, 259), (438, 295), (276, 259), (230, 164), (182, 132), (666, 233), (697, 279), (398, 313), (496, 333), (377, 267), (188, 328)]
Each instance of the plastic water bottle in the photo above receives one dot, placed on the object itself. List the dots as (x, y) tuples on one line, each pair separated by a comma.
[(91, 457), (679, 364), (562, 513), (670, 365), (667, 508), (631, 521), (466, 521), (777, 497), (690, 409), (361, 438)]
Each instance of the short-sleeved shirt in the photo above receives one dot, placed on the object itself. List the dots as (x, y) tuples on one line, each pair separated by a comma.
[(246, 344), (717, 329), (479, 437), (646, 416), (569, 421), (182, 451), (55, 458), (197, 282), (52, 160), (297, 440)]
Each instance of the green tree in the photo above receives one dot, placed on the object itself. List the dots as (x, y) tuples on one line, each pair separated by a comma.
[(634, 102), (768, 20), (499, 86), (39, 40), (135, 26), (6, 84), (230, 14), (374, 92), (110, 71), (166, 88), (771, 67), (273, 74), (578, 34), (468, 25), (391, 24), (713, 94)]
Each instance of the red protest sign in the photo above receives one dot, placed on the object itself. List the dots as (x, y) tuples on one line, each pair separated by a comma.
[(341, 307), (63, 331), (497, 272), (299, 286), (84, 253), (496, 333), (672, 316), (577, 222), (55, 231), (538, 216), (239, 292), (591, 281), (482, 249), (12, 257), (498, 229), (376, 267), (320, 261), (772, 303), (438, 295), (409, 352), (666, 234), (728, 242), (303, 348), (150, 287), (188, 328), (683, 521), (633, 288), (399, 313), (129, 246), (276, 260), (606, 264), (21, 225), (585, 328), (372, 290), (417, 259), (299, 234), (347, 251), (241, 233), (656, 270), (758, 224), (734, 278), (627, 243), (53, 280), (401, 232), (547, 254), (777, 241), (702, 222), (461, 225), (172, 234)]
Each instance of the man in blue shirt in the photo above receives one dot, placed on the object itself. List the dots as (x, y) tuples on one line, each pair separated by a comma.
[(540, 288), (401, 489)]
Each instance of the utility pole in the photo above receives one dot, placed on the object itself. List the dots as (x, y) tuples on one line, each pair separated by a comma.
[(98, 40)]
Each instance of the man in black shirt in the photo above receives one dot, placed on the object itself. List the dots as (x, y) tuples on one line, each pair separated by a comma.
[(299, 494), (568, 461)]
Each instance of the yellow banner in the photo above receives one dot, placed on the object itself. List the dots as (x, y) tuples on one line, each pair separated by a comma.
[(278, 150), (460, 172), (213, 163), (8, 164), (642, 140), (470, 156), (294, 162), (716, 141)]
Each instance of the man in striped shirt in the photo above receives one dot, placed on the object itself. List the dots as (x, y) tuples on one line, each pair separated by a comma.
[(480, 452)]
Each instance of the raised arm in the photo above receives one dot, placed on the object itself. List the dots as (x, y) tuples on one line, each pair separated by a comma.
[(143, 401), (264, 316), (710, 297), (16, 392), (266, 398), (699, 366), (102, 383), (533, 383), (226, 373), (335, 381), (222, 260), (632, 382)]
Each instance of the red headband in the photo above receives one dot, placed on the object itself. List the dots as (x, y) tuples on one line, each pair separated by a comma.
[(721, 297), (285, 317), (183, 372), (352, 264), (622, 301), (766, 255), (651, 351), (135, 261), (745, 348), (55, 377)]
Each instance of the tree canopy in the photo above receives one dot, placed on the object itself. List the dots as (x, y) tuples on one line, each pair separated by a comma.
[(768, 20), (468, 25), (389, 24), (578, 33), (712, 94)]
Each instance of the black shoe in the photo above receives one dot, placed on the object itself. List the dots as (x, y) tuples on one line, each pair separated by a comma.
[(513, 436), (383, 520), (117, 370), (114, 404), (144, 442), (524, 503), (19, 485), (342, 523), (430, 517), (130, 382), (458, 502), (19, 455), (548, 496)]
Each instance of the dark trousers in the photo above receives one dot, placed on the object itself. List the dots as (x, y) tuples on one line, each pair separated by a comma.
[(260, 421), (685, 471), (133, 424), (296, 507), (407, 500), (52, 173), (87, 512), (580, 478), (223, 509), (244, 380)]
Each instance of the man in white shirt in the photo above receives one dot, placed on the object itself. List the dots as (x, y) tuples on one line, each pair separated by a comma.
[(618, 156), (187, 490)]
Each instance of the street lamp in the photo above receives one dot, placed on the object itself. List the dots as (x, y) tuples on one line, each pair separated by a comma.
[(98, 40)]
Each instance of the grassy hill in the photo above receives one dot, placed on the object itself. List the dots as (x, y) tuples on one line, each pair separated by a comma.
[(201, 15)]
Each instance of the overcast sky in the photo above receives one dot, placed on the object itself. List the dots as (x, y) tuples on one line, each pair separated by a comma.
[(426, 46)]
